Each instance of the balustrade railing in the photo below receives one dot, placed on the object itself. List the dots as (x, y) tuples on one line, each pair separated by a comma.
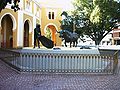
[(10, 57), (53, 62)]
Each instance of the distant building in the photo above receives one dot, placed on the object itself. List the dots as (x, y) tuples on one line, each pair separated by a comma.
[(116, 36), (107, 40), (17, 28)]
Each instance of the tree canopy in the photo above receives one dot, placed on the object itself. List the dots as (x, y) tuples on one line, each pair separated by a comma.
[(70, 23), (96, 18), (67, 22), (15, 5)]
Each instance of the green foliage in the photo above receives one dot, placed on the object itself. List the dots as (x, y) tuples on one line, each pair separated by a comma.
[(67, 22), (14, 3), (70, 23), (48, 33), (97, 17)]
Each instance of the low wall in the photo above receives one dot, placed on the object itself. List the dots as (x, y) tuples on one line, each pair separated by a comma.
[(63, 61)]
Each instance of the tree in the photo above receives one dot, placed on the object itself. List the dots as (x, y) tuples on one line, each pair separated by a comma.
[(71, 23), (96, 17), (15, 5), (48, 33), (67, 22)]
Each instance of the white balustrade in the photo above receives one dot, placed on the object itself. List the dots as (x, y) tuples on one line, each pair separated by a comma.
[(63, 61)]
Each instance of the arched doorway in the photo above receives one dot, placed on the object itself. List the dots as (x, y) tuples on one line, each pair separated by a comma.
[(7, 32), (50, 32), (26, 34)]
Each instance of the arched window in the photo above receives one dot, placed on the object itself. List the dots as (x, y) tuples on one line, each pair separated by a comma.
[(52, 15), (49, 15), (28, 5)]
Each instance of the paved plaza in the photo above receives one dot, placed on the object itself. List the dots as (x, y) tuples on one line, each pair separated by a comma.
[(12, 80)]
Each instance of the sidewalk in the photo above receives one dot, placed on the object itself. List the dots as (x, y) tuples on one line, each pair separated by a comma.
[(11, 80)]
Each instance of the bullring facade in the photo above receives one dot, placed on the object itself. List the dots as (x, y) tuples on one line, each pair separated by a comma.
[(17, 28)]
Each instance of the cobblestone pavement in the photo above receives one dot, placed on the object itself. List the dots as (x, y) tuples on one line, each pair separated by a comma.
[(11, 80)]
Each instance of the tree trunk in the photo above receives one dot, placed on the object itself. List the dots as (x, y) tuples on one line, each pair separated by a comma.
[(97, 42)]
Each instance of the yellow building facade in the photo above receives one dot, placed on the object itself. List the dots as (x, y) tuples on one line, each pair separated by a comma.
[(17, 28)]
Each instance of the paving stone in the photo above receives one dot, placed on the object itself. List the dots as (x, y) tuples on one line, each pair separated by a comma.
[(11, 80)]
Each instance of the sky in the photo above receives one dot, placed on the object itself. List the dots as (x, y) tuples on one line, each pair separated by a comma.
[(65, 4)]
